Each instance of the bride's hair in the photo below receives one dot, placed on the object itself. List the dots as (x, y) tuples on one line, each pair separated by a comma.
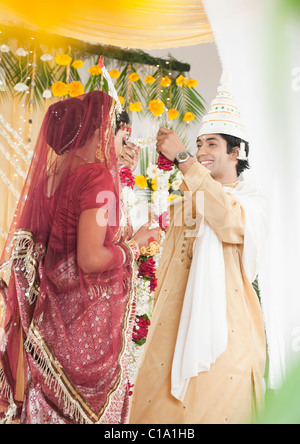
[(122, 118)]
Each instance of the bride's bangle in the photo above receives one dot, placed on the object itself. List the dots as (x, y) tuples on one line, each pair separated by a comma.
[(124, 255), (135, 249)]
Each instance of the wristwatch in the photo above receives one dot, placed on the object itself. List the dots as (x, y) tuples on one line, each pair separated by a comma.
[(182, 157)]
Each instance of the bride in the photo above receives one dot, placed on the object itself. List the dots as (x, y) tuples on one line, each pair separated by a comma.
[(69, 265)]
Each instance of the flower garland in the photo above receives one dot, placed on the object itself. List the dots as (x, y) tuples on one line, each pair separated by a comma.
[(147, 264)]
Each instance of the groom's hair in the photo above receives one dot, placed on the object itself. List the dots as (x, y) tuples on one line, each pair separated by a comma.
[(233, 142)]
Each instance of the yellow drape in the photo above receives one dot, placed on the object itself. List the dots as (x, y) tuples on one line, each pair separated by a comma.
[(139, 24)]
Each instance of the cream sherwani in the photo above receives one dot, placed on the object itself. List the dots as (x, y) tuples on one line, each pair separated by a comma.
[(229, 391)]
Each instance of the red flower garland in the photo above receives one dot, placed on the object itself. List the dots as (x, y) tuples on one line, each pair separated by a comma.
[(163, 220), (147, 265), (127, 178), (140, 331), (130, 387), (147, 268), (164, 164)]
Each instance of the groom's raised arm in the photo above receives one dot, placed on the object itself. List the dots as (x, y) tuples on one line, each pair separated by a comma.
[(221, 210)]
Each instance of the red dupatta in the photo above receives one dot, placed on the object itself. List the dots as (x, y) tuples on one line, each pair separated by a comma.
[(65, 336)]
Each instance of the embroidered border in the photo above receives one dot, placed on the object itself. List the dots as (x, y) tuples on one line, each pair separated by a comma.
[(24, 261), (55, 376)]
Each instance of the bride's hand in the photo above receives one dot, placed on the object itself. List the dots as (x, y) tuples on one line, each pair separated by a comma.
[(143, 234), (129, 156)]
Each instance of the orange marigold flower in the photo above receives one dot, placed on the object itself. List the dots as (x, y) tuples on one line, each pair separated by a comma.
[(122, 99), (95, 70), (114, 74), (189, 117), (156, 107), (136, 107), (149, 79), (173, 114), (191, 83), (134, 77), (77, 64), (59, 89), (166, 81), (181, 80), (76, 89), (63, 59)]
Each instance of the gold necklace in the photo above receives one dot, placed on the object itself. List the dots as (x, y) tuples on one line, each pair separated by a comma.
[(82, 158)]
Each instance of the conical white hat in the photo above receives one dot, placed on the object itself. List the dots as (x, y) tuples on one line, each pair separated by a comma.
[(224, 116)]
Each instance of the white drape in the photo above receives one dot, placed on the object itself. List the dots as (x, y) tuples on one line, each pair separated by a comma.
[(255, 46)]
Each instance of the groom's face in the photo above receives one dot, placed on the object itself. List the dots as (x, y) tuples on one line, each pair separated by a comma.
[(212, 154)]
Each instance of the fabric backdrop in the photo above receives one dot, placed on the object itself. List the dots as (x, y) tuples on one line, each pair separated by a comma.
[(142, 24)]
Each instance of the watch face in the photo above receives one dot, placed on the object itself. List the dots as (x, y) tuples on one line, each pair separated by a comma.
[(182, 156)]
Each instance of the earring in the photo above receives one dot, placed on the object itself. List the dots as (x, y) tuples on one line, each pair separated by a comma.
[(99, 154)]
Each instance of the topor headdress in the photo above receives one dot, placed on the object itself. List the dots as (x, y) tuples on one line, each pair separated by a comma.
[(224, 116)]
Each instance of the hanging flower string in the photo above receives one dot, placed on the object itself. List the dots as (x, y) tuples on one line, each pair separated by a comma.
[(164, 164), (148, 261), (127, 178)]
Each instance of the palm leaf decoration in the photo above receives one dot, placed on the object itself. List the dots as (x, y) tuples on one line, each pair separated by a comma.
[(39, 75), (131, 91)]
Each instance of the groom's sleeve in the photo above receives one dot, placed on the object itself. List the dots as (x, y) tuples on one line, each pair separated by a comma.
[(220, 210)]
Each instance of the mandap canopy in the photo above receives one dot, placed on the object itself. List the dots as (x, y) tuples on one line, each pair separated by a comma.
[(25, 78), (132, 23)]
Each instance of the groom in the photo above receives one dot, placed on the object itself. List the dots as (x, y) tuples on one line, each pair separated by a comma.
[(205, 356)]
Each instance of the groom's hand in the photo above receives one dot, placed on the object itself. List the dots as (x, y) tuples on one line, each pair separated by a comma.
[(169, 144)]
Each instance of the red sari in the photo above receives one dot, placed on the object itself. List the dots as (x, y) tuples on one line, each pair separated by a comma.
[(65, 352)]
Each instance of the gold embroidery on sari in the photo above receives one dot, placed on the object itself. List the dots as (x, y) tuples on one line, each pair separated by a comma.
[(55, 377), (24, 260)]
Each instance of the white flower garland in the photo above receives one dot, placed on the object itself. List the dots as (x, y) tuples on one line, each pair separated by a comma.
[(145, 297)]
